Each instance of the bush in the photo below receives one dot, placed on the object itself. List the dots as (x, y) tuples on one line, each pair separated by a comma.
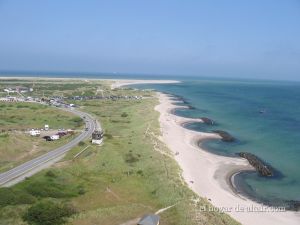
[(130, 158), (52, 188), (140, 172), (4, 135), (124, 114), (109, 136), (81, 143), (48, 213), (77, 120), (50, 173), (81, 191), (9, 196)]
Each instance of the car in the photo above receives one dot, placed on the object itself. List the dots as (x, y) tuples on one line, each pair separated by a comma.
[(47, 138), (86, 129)]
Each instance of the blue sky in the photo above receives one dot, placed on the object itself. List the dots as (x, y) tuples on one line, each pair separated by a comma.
[(224, 38)]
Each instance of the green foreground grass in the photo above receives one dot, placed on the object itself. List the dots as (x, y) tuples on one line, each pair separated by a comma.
[(130, 175)]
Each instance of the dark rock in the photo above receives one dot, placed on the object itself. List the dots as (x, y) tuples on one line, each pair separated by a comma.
[(207, 121), (294, 205), (261, 167), (225, 136), (191, 107)]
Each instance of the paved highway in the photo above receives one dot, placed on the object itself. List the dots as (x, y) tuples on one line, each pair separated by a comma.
[(42, 160)]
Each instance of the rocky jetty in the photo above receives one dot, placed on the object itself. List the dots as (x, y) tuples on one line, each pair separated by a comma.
[(225, 136), (261, 167), (207, 121)]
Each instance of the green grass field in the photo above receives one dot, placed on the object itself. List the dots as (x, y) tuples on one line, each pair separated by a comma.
[(23, 116), (131, 174)]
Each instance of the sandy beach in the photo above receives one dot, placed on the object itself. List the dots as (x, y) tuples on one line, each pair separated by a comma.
[(119, 83), (209, 175)]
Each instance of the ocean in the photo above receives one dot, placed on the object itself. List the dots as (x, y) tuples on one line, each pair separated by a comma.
[(263, 116)]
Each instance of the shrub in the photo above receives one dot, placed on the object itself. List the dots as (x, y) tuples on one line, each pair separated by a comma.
[(48, 213), (81, 143), (4, 135), (50, 173), (81, 191), (124, 114), (50, 188), (130, 158), (140, 172), (77, 120), (109, 136), (9, 196)]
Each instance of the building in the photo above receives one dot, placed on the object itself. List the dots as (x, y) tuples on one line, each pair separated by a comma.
[(97, 137), (150, 219), (21, 89)]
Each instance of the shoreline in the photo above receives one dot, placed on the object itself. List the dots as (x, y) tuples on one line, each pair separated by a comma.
[(216, 181)]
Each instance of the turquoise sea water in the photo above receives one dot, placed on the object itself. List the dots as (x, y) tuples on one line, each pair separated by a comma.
[(273, 135)]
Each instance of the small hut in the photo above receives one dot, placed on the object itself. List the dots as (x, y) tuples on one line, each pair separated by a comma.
[(97, 137), (150, 219)]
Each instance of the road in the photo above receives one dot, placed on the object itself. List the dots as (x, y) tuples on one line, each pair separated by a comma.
[(24, 170)]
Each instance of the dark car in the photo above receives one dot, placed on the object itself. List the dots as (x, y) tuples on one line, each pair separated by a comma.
[(47, 138)]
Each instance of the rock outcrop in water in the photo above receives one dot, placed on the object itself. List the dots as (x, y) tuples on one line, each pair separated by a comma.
[(258, 164), (225, 136), (207, 121)]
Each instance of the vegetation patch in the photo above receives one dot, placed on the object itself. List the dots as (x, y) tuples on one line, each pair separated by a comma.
[(48, 213), (9, 196), (131, 158)]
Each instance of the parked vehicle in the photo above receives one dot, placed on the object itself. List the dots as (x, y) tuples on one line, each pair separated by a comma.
[(54, 137)]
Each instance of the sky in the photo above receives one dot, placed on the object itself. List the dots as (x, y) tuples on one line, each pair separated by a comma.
[(217, 38)]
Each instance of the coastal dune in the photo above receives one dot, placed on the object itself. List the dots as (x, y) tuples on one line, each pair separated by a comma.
[(209, 175)]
